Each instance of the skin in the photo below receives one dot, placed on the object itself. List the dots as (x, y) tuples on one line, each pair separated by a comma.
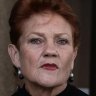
[(45, 39)]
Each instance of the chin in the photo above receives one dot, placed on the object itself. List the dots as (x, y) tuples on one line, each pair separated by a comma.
[(49, 83)]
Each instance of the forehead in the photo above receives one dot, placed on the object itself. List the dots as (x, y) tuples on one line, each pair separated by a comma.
[(46, 22)]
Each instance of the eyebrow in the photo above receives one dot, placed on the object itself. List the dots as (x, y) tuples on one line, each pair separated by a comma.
[(36, 33), (43, 35), (61, 34)]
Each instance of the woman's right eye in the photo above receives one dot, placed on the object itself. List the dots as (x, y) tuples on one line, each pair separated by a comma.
[(36, 41)]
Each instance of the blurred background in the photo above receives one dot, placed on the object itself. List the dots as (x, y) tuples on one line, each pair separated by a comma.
[(85, 67)]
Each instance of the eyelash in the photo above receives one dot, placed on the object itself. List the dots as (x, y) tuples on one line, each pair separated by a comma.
[(36, 41), (62, 41)]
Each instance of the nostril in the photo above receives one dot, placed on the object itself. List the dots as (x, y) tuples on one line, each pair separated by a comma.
[(50, 55), (46, 55), (54, 55)]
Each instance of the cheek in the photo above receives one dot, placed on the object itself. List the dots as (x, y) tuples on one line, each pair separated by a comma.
[(29, 63), (29, 58), (67, 60)]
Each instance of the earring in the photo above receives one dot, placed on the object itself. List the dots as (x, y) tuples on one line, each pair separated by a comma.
[(71, 78), (20, 74)]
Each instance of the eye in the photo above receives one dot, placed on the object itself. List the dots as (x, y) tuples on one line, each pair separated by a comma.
[(62, 41), (36, 40)]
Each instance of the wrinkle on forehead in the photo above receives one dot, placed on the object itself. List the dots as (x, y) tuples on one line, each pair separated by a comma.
[(49, 20), (40, 19), (43, 19)]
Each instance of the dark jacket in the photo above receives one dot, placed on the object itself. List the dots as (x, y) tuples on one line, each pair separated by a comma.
[(69, 91)]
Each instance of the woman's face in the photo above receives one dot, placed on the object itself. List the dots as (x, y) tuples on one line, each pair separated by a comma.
[(46, 55)]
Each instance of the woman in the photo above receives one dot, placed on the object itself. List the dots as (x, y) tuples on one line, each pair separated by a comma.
[(44, 36)]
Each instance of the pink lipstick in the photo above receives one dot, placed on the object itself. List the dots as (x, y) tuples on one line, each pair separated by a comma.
[(48, 66)]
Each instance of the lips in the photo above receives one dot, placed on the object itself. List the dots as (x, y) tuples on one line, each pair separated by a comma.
[(49, 66)]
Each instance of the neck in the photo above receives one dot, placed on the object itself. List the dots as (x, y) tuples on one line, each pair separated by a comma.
[(37, 90)]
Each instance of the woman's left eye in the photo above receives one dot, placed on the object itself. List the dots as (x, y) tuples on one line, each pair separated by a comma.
[(62, 41)]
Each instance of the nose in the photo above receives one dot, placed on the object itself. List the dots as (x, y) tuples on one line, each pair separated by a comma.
[(50, 51)]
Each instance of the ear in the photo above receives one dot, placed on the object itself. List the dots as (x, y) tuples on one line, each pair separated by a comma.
[(14, 55), (74, 57)]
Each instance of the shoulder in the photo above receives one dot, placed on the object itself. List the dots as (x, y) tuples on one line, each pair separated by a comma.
[(21, 92), (76, 91), (69, 91), (18, 93), (72, 91)]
